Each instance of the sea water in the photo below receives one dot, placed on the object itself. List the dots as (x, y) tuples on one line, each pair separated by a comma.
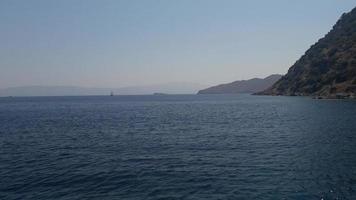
[(177, 147)]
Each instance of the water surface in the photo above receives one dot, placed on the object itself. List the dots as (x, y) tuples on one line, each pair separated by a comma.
[(177, 147)]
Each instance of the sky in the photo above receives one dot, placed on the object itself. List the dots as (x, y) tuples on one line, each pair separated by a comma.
[(119, 43)]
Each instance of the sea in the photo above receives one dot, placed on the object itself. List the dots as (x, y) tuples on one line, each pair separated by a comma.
[(194, 147)]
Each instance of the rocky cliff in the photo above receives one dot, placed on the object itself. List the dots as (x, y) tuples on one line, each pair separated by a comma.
[(328, 68)]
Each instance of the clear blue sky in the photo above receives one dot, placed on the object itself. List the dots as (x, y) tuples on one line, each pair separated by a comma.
[(113, 43)]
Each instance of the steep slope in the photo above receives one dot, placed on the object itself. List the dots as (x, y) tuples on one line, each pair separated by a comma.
[(245, 86), (328, 68)]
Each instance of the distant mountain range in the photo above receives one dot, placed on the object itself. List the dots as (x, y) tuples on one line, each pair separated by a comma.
[(168, 88), (327, 69), (244, 86)]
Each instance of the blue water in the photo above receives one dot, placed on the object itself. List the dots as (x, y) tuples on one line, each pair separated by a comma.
[(177, 147)]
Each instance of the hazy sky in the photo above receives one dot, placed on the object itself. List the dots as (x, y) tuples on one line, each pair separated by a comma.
[(113, 43)]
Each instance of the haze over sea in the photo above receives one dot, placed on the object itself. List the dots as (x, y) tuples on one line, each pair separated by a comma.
[(177, 147)]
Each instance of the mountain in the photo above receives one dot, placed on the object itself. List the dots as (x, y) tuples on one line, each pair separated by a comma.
[(244, 86), (167, 88), (52, 91), (327, 69)]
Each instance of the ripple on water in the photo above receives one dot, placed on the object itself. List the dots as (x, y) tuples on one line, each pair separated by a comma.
[(177, 147)]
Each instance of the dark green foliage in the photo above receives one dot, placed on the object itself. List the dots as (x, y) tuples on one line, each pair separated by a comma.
[(329, 66)]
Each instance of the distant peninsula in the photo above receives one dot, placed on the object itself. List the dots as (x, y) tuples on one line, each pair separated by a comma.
[(164, 88), (243, 86), (327, 69)]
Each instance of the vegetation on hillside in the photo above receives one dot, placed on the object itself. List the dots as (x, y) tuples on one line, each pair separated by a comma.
[(328, 68)]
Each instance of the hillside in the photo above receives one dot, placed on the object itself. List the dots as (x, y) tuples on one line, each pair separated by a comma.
[(244, 86), (327, 69)]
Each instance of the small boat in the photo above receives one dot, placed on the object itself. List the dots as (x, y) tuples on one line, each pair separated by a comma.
[(111, 93), (159, 94)]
